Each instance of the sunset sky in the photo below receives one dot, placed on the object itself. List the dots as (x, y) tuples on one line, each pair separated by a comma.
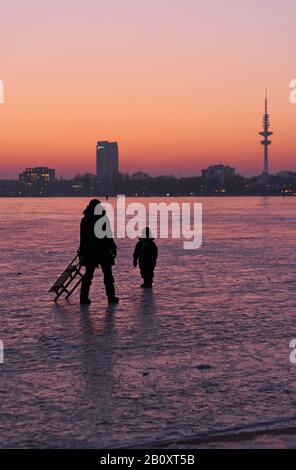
[(178, 83)]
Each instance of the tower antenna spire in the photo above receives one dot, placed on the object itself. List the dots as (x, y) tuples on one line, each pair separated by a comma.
[(266, 134)]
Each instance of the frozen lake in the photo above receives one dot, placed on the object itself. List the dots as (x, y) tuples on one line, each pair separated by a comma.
[(206, 352)]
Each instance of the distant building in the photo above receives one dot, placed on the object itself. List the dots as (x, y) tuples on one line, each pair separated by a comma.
[(218, 171), (139, 175), (286, 174), (107, 160), (32, 176)]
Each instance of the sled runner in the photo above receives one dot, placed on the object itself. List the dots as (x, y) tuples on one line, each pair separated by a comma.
[(69, 279)]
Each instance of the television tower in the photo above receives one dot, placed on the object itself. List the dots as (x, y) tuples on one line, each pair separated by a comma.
[(266, 133)]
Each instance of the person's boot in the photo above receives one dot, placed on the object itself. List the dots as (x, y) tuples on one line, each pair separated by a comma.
[(84, 293), (113, 299), (146, 285)]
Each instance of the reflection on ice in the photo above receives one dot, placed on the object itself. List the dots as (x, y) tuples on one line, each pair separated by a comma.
[(205, 351)]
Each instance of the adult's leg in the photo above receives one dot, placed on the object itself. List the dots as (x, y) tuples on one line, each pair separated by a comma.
[(148, 277), (108, 280), (147, 273), (142, 272), (86, 282)]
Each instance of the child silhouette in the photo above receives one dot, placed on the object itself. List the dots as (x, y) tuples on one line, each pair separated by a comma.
[(146, 253)]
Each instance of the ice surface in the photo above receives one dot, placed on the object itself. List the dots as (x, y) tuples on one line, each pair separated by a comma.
[(206, 351)]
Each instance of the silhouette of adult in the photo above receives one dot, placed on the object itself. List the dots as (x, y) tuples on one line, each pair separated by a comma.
[(94, 252)]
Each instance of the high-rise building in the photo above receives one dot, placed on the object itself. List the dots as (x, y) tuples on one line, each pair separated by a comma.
[(33, 176), (107, 160), (266, 133)]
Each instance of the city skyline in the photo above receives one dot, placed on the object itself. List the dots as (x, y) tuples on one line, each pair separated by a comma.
[(178, 100), (214, 168), (216, 180)]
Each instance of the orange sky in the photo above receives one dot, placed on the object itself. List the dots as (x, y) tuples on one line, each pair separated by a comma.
[(178, 83)]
